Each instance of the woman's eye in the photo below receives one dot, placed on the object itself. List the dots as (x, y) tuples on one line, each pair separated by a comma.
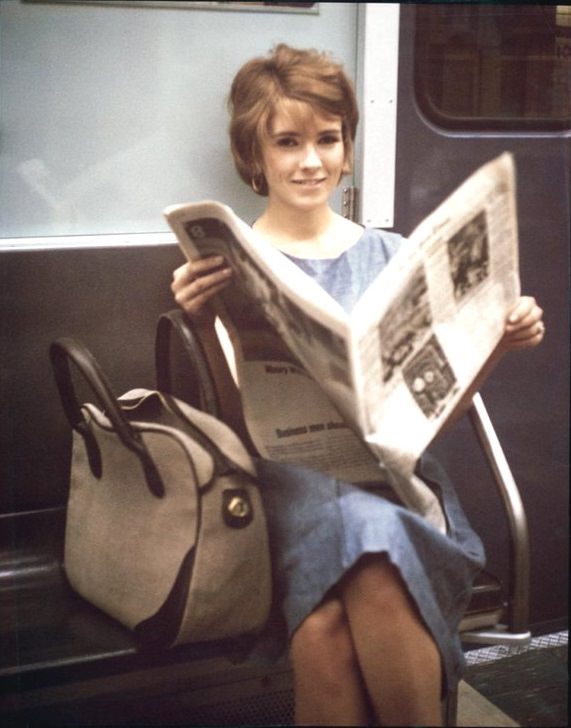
[(286, 142), (330, 139)]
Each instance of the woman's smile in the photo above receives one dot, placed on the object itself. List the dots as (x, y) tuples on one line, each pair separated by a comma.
[(309, 182)]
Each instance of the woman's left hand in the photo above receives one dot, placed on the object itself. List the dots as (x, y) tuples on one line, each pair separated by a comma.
[(524, 325)]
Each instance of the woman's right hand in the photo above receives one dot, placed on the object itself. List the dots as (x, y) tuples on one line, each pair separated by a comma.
[(195, 283)]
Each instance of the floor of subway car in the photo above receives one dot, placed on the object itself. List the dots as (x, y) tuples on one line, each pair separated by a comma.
[(525, 686)]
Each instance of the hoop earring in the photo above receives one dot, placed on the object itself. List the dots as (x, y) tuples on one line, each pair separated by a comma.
[(256, 182)]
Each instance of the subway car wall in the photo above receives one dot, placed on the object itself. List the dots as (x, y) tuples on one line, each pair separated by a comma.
[(528, 395)]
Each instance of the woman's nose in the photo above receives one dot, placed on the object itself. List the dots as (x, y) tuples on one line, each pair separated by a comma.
[(311, 158)]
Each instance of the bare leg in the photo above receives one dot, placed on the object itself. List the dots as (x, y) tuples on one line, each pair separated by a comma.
[(329, 689), (399, 660)]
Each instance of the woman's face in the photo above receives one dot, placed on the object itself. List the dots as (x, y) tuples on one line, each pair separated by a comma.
[(303, 156)]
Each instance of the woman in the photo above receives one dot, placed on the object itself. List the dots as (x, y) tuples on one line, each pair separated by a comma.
[(371, 593)]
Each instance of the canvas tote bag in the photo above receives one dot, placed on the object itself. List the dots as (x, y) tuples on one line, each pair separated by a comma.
[(165, 529)]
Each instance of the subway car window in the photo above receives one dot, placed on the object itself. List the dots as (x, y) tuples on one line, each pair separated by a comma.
[(494, 66)]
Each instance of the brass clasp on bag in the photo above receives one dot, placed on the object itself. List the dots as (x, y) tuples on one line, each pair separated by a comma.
[(237, 509)]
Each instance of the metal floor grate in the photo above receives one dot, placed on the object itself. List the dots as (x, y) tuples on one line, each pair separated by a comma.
[(266, 709), (498, 652)]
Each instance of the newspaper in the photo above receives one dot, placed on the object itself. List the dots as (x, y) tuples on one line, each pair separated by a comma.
[(361, 395)]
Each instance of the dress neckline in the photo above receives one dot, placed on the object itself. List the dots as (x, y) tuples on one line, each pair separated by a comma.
[(328, 260)]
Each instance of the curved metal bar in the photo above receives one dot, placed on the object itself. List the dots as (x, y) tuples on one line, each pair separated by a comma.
[(518, 587)]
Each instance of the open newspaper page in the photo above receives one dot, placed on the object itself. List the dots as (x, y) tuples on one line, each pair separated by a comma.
[(426, 326), (290, 417), (394, 369)]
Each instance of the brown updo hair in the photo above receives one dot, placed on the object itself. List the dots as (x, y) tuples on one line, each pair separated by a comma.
[(307, 76)]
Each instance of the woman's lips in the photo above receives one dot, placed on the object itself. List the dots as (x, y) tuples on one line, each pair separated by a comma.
[(309, 182)]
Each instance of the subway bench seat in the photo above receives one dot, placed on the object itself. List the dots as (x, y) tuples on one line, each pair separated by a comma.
[(62, 660)]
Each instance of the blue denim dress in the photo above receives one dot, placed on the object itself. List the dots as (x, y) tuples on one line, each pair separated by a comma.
[(320, 526)]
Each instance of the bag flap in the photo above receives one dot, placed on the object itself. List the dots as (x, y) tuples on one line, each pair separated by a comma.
[(149, 416), (148, 409), (223, 436)]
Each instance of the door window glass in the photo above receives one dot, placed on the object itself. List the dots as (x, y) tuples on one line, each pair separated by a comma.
[(494, 66)]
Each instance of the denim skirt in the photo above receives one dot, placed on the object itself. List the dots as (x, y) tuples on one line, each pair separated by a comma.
[(320, 527)]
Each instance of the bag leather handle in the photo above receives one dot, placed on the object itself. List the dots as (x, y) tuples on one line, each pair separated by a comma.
[(202, 383), (213, 388), (64, 350)]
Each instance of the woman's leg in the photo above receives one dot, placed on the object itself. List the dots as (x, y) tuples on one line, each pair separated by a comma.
[(398, 657), (329, 689)]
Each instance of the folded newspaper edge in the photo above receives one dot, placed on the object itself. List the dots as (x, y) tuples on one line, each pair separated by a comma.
[(390, 373)]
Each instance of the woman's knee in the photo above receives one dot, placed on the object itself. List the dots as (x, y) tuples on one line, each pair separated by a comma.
[(323, 639), (324, 624)]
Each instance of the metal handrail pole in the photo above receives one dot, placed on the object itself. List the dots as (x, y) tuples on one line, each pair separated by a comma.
[(518, 587)]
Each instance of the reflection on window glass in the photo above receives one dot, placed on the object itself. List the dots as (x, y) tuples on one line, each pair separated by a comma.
[(494, 66)]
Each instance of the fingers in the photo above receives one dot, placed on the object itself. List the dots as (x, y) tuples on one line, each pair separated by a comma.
[(525, 313), (525, 327), (195, 283), (526, 340)]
